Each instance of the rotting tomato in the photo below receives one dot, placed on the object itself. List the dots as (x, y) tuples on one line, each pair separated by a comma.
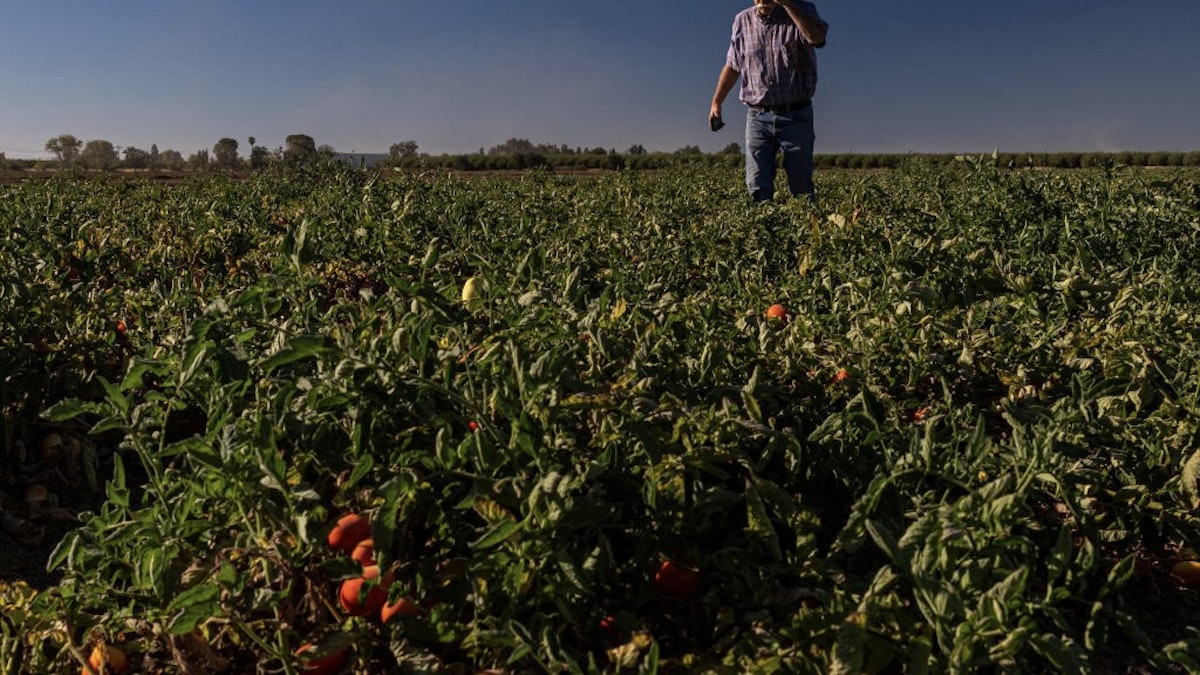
[(107, 659), (1187, 573), (327, 664)]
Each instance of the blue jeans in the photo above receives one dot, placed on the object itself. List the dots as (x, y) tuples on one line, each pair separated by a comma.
[(766, 134)]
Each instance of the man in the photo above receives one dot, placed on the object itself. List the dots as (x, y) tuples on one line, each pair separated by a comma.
[(773, 51)]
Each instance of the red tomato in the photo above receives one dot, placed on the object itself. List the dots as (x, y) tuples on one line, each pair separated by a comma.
[(609, 625), (364, 552), (676, 581), (402, 607), (349, 531), (356, 602)]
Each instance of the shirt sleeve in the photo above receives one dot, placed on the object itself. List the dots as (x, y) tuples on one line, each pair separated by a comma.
[(812, 9), (733, 57)]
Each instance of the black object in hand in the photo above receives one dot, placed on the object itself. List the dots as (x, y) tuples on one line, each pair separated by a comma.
[(715, 123)]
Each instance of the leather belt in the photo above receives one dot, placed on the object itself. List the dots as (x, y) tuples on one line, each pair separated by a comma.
[(782, 109)]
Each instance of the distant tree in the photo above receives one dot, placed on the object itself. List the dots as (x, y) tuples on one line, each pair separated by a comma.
[(154, 159), (250, 142), (514, 146), (225, 153), (731, 149), (136, 158), (171, 160), (300, 148), (403, 149), (636, 149), (99, 155), (199, 161), (7, 164), (259, 157), (65, 147), (326, 150), (689, 150)]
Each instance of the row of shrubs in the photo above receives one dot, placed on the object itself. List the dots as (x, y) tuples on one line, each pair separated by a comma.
[(497, 162), (662, 160), (650, 161), (1057, 160)]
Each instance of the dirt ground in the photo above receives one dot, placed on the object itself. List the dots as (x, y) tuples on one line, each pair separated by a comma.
[(12, 177), (177, 177)]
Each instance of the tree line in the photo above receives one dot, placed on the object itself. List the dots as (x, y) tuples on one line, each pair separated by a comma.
[(101, 155), (515, 154)]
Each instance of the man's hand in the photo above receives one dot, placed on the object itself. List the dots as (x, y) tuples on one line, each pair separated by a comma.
[(725, 82), (714, 117), (812, 29)]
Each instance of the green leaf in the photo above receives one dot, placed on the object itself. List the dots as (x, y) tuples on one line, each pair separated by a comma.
[(117, 493), (362, 467), (66, 410), (1190, 480), (114, 395), (298, 348), (758, 521), (752, 407), (848, 653), (135, 376), (498, 534), (1119, 575), (1061, 652), (194, 606), (192, 360), (886, 540)]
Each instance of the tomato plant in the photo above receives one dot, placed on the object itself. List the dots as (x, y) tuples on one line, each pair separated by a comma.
[(970, 446)]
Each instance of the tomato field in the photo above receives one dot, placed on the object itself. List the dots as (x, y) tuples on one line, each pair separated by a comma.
[(965, 437)]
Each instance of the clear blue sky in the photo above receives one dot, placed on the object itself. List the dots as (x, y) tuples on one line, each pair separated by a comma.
[(928, 76)]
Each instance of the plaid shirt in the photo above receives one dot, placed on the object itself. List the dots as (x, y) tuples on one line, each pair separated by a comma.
[(778, 66)]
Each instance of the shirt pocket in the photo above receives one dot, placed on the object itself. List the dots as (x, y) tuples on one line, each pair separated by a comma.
[(790, 46)]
